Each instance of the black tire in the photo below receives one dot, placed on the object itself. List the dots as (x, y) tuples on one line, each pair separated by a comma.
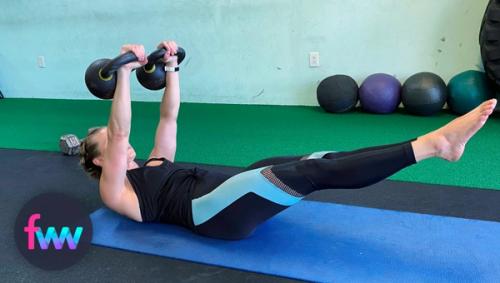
[(489, 39)]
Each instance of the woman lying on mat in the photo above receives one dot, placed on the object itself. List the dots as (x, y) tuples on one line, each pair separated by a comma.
[(230, 207)]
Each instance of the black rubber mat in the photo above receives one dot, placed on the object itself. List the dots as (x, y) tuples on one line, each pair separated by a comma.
[(24, 174)]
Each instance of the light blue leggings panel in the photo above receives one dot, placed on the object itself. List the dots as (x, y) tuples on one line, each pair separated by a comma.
[(225, 194)]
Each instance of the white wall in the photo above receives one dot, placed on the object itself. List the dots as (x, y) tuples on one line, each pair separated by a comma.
[(245, 51)]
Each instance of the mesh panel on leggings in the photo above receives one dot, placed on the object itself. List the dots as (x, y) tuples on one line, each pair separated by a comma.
[(266, 172)]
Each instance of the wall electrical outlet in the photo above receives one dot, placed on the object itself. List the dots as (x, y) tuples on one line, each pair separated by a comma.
[(314, 59), (40, 61)]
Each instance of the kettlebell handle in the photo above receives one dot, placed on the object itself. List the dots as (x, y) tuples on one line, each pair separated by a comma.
[(110, 68), (159, 53)]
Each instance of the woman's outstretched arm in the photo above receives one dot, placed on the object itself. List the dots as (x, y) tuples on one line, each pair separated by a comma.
[(115, 151), (166, 132)]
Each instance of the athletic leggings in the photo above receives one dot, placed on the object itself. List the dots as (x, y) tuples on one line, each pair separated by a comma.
[(231, 208)]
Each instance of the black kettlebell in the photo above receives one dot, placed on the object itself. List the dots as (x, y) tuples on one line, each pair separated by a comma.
[(152, 75), (100, 76)]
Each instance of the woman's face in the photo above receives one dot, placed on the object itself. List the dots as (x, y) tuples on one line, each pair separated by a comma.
[(101, 138)]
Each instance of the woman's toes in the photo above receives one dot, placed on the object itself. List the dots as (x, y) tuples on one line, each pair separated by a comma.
[(486, 111)]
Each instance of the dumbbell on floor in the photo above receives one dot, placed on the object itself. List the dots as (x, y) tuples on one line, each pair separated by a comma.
[(69, 144)]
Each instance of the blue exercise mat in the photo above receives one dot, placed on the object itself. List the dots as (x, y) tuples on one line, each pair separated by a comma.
[(329, 242)]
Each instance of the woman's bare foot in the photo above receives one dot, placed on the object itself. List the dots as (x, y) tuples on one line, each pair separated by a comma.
[(448, 142)]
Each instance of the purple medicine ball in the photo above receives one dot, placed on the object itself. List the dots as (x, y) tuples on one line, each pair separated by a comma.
[(380, 93)]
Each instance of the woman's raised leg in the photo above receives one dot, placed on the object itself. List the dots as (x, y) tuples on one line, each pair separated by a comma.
[(233, 209)]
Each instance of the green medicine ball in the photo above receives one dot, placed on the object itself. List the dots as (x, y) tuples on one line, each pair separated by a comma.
[(467, 90)]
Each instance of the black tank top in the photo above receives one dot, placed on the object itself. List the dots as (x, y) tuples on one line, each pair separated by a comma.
[(164, 192)]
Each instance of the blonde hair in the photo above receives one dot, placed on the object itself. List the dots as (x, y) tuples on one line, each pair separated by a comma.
[(88, 151)]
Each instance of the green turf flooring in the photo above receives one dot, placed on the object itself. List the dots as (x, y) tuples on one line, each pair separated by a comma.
[(241, 134)]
